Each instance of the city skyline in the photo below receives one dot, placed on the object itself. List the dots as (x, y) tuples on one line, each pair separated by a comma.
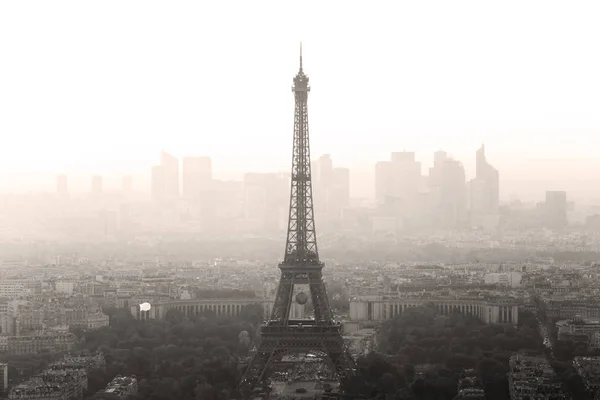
[(362, 183), (521, 91), (170, 229)]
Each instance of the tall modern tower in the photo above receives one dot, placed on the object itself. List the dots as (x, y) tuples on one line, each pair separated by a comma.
[(484, 192), (165, 178), (301, 267)]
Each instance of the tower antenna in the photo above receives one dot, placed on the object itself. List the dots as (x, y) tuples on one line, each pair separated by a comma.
[(300, 56)]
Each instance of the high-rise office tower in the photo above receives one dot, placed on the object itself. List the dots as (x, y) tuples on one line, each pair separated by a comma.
[(61, 185), (170, 174), (454, 193), (96, 185), (165, 178), (406, 178), (398, 180), (484, 190), (196, 175), (435, 172), (556, 209), (448, 190), (331, 188)]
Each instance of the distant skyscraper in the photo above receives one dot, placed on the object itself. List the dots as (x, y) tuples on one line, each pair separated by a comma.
[(556, 209), (454, 193), (406, 179), (484, 190), (435, 173), (170, 174), (127, 184), (448, 191), (331, 189), (196, 175), (165, 178), (96, 185), (61, 185), (398, 180)]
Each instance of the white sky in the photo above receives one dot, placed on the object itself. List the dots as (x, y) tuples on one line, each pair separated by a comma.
[(103, 86)]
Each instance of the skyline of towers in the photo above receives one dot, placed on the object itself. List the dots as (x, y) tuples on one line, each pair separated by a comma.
[(399, 177), (440, 199), (167, 184)]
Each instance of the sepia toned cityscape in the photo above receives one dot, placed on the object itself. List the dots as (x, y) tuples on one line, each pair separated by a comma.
[(441, 284)]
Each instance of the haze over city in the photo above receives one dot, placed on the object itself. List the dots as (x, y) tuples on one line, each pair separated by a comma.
[(104, 92), (317, 200)]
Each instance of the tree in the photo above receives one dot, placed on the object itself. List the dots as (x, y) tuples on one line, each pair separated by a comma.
[(253, 313)]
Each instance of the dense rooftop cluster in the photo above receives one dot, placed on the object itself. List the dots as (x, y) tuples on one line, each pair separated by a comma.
[(532, 377), (63, 380)]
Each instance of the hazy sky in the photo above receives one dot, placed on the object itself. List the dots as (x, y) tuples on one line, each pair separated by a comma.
[(103, 86)]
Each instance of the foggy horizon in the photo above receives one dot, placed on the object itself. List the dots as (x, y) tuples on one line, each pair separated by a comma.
[(108, 101), (313, 200), (580, 184)]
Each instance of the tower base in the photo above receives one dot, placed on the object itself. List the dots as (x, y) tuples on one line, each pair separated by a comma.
[(299, 336)]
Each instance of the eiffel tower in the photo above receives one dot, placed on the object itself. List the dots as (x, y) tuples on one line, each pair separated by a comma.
[(282, 335)]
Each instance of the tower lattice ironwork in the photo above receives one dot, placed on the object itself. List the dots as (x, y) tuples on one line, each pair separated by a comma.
[(301, 266)]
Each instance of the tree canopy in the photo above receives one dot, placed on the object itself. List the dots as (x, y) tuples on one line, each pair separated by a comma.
[(178, 358)]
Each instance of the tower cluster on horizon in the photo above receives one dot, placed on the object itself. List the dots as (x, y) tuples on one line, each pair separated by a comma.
[(167, 184), (96, 185), (442, 199)]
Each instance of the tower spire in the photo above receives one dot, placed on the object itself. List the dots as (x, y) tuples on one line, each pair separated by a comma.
[(300, 56)]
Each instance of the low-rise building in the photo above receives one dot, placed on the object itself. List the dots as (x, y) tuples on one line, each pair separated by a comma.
[(122, 386), (589, 370), (32, 344), (489, 309), (579, 330), (66, 379), (532, 378)]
